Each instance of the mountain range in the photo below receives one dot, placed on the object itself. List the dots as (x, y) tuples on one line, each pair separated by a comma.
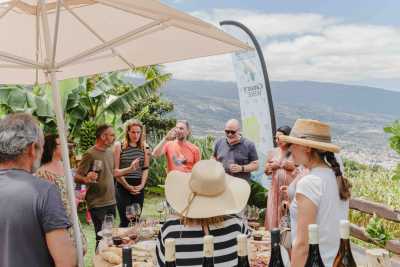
[(357, 114)]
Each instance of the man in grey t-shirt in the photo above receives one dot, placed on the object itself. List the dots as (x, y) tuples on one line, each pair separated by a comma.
[(33, 221), (236, 153)]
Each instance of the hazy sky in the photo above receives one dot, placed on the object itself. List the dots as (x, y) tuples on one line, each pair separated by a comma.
[(353, 41)]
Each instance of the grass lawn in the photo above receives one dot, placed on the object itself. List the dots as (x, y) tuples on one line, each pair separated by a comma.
[(149, 211)]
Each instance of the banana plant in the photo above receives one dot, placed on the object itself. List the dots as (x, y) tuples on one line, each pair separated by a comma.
[(105, 97), (17, 98)]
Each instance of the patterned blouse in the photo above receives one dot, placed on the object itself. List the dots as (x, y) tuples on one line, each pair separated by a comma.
[(60, 183)]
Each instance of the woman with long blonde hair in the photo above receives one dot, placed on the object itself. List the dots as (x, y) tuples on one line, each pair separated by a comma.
[(130, 187)]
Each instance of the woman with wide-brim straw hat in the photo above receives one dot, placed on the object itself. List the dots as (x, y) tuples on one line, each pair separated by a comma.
[(321, 197), (206, 200)]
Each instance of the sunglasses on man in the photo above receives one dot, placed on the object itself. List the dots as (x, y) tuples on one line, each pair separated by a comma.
[(228, 132)]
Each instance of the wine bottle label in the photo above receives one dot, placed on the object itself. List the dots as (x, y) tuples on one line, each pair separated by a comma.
[(242, 245), (313, 234), (170, 250), (208, 246), (344, 229)]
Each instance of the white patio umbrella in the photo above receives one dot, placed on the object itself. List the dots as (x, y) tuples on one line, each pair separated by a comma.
[(46, 41)]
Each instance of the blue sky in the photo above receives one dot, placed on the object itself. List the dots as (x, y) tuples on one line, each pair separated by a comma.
[(372, 11), (353, 41)]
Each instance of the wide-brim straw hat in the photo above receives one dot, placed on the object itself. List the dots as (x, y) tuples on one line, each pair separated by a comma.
[(311, 133), (206, 192)]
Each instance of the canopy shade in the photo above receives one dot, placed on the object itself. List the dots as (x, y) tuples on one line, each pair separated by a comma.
[(47, 41), (99, 36)]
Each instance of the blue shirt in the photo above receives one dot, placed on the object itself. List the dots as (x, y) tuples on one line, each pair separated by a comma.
[(241, 153), (30, 207)]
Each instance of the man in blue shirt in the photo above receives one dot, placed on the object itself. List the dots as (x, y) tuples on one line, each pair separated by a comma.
[(237, 154), (33, 222)]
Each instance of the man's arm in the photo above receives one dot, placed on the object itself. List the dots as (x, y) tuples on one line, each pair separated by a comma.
[(252, 166), (83, 176), (253, 157), (54, 222), (61, 248), (159, 149)]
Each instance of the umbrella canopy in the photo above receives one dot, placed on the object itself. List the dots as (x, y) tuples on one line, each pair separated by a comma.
[(88, 37), (46, 41)]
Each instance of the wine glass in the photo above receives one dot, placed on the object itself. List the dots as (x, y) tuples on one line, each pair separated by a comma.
[(130, 214), (107, 227), (161, 208), (97, 168), (227, 165), (138, 211)]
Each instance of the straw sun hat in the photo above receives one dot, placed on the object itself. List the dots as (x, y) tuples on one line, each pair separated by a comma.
[(311, 133), (206, 192)]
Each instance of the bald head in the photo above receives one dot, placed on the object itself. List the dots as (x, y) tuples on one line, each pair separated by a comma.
[(233, 124), (232, 131)]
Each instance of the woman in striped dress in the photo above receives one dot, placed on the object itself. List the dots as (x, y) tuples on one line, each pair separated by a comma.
[(130, 188), (205, 198)]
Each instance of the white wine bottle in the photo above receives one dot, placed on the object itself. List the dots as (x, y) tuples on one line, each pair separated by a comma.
[(208, 251), (243, 259), (170, 260), (314, 257), (344, 257)]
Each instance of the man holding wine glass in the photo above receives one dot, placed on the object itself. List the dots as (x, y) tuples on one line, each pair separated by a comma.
[(96, 170), (237, 154)]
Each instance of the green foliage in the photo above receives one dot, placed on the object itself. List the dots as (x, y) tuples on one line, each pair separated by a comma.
[(17, 98), (375, 184), (394, 131), (376, 230), (206, 145), (87, 136), (258, 195), (151, 110), (394, 142)]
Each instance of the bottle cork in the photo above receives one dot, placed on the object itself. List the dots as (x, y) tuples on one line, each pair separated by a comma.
[(242, 245), (208, 248), (170, 250), (313, 234), (344, 229)]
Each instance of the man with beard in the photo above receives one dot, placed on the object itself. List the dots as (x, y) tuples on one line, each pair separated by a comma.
[(100, 196), (181, 154), (236, 153), (33, 222)]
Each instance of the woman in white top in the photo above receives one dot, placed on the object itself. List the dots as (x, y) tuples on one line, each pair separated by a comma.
[(321, 196)]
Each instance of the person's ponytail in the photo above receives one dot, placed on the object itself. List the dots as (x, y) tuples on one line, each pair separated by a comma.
[(343, 183)]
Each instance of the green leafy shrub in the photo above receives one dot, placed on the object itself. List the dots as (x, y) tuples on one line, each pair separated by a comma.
[(377, 231), (394, 142)]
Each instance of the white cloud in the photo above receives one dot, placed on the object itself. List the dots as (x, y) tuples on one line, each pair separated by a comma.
[(266, 25), (307, 47)]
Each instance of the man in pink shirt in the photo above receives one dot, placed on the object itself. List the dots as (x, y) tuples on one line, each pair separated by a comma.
[(181, 154)]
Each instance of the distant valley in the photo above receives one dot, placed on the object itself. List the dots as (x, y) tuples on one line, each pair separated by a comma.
[(357, 114)]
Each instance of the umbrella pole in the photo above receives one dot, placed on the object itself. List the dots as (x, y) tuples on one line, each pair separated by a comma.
[(67, 167)]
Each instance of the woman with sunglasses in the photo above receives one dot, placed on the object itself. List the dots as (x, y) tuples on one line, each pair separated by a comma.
[(283, 171)]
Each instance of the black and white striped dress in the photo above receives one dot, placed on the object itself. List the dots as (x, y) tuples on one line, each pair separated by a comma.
[(189, 242)]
